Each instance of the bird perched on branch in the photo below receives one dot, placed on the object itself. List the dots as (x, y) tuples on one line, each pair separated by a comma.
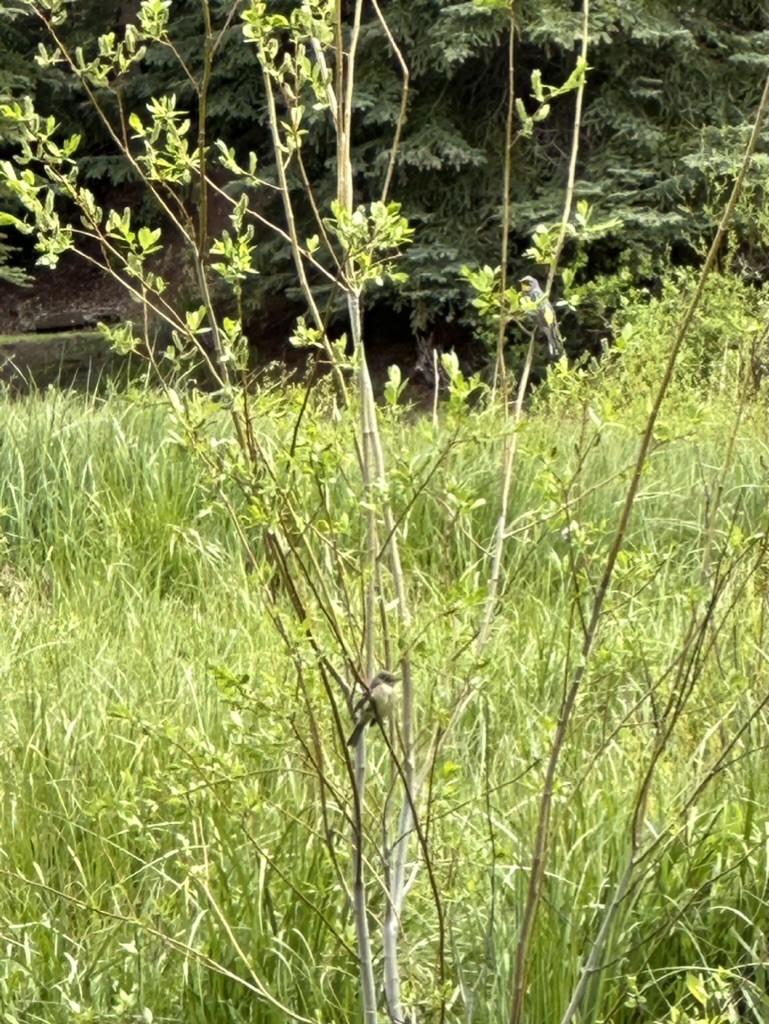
[(374, 706), (543, 316)]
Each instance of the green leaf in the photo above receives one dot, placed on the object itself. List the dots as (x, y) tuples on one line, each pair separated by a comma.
[(148, 239), (697, 988)]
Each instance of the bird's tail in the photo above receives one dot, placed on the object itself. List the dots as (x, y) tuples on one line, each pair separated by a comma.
[(554, 342), (356, 734)]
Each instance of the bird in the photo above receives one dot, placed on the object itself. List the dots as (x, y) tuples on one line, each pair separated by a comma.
[(374, 705), (544, 316)]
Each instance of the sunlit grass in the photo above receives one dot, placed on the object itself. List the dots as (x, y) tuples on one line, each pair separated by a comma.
[(165, 840)]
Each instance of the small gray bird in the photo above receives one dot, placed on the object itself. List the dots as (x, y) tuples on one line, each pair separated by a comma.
[(374, 705), (544, 316)]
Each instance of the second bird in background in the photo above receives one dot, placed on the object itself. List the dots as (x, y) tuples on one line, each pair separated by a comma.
[(374, 706), (543, 316)]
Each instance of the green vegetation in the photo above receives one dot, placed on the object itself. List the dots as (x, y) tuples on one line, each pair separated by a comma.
[(667, 110), (175, 797), (565, 819)]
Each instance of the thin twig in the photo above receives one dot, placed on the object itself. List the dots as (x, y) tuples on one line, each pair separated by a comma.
[(569, 198), (500, 368), (404, 101)]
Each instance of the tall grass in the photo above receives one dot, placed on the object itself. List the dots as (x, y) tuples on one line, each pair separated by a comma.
[(170, 850)]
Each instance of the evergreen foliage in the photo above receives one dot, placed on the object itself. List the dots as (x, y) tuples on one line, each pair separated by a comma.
[(670, 93)]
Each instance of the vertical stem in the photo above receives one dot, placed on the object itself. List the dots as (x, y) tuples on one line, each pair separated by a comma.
[(506, 175), (369, 619), (344, 93), (398, 853), (370, 477), (374, 472), (360, 913), (345, 88), (511, 438), (296, 249), (202, 116), (222, 363), (574, 150)]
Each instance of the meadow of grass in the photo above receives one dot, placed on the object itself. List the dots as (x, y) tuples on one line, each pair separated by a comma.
[(174, 802)]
